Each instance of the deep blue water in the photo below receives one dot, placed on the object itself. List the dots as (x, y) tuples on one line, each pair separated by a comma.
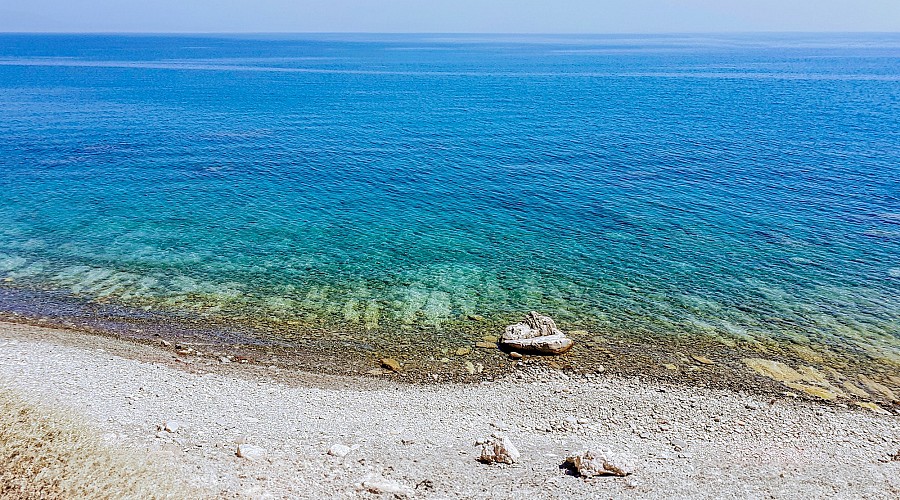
[(740, 187)]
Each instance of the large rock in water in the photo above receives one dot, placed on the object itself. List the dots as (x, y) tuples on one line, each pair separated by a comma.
[(538, 333)]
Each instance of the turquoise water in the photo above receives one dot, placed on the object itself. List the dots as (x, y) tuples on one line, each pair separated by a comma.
[(742, 188)]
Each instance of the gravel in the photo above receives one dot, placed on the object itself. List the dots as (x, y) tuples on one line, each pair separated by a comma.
[(417, 440)]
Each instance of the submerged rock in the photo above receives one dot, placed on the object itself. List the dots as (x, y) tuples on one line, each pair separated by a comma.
[(773, 369), (852, 388), (538, 333), (876, 388), (872, 407), (702, 359), (806, 379), (813, 390), (592, 463), (391, 364)]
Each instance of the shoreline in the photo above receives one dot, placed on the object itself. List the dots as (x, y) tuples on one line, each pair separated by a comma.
[(774, 368), (686, 441)]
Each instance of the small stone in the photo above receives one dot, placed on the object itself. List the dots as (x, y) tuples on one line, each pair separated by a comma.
[(515, 355), (470, 368), (702, 359), (8, 280), (678, 444), (475, 317), (171, 426), (490, 338), (485, 345), (251, 452), (380, 485), (376, 372), (224, 360), (670, 366), (604, 463), (339, 450), (391, 364), (498, 449), (462, 351)]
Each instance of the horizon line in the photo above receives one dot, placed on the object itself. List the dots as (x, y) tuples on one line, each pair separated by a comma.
[(510, 33)]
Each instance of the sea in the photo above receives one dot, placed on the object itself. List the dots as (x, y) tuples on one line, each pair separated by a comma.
[(427, 189)]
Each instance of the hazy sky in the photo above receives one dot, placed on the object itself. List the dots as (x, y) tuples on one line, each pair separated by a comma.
[(457, 16)]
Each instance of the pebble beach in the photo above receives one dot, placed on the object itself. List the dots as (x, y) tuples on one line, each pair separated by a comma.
[(307, 435)]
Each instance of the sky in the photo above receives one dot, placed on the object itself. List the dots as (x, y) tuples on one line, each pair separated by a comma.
[(449, 16)]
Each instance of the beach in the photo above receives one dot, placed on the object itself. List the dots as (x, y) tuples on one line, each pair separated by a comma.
[(418, 440), (319, 265)]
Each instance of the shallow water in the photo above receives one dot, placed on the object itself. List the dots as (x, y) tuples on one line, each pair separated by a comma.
[(740, 188)]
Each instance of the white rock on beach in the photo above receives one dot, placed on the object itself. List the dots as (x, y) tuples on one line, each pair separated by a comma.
[(339, 450), (251, 452), (380, 485), (498, 449), (171, 426), (538, 333), (604, 463)]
